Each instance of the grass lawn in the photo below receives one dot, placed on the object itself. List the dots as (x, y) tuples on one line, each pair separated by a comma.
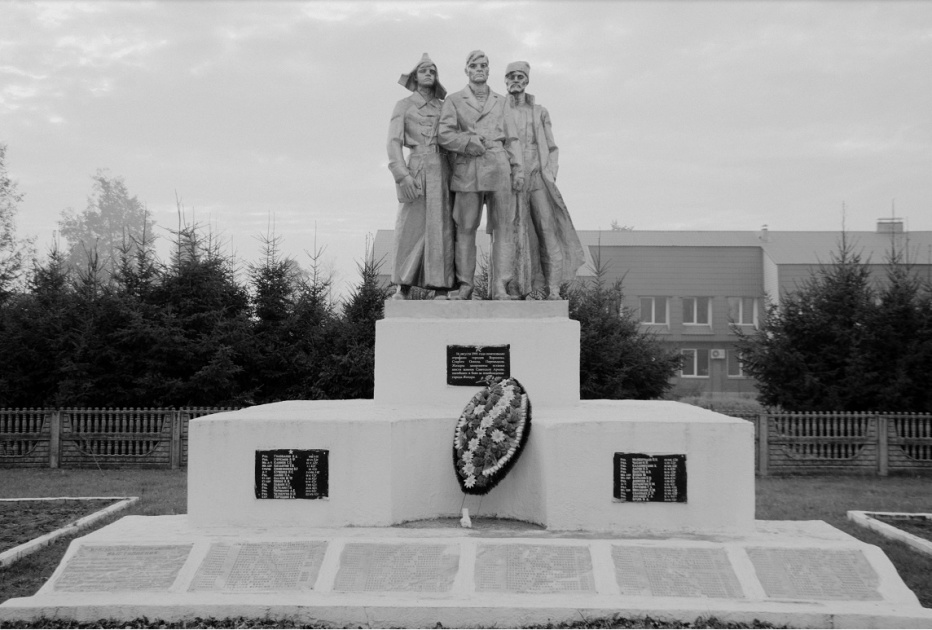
[(778, 498)]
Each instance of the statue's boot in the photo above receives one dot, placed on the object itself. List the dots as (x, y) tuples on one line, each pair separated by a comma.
[(500, 292), (464, 292), (401, 292), (440, 294), (552, 264)]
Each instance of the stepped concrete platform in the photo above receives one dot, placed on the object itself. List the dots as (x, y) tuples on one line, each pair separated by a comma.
[(391, 463), (801, 574)]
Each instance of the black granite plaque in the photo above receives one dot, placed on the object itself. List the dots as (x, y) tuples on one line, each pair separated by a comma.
[(640, 478), (470, 365), (292, 474)]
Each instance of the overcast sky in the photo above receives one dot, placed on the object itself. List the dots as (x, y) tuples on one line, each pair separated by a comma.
[(669, 116)]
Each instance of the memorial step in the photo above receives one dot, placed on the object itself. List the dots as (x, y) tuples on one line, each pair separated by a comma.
[(794, 573)]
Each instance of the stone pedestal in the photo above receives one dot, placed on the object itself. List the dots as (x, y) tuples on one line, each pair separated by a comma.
[(390, 459), (393, 463), (411, 349)]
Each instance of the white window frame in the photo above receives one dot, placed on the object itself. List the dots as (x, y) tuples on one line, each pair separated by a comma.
[(691, 359), (695, 311), (731, 358), (653, 310), (740, 301)]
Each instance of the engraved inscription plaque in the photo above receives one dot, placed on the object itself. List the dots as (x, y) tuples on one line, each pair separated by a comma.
[(674, 572), (534, 569), (639, 478), (416, 567), (827, 574), (123, 568), (265, 566), (292, 474), (470, 365)]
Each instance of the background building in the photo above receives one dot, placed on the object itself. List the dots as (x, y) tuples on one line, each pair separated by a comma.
[(690, 287)]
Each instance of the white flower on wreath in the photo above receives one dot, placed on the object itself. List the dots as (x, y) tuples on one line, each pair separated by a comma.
[(469, 469), (470, 481), (486, 422), (497, 436), (473, 444)]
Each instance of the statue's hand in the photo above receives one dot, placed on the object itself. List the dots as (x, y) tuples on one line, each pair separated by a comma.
[(410, 188), (475, 146), (517, 183)]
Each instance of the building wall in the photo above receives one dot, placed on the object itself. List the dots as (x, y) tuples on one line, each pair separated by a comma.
[(675, 273)]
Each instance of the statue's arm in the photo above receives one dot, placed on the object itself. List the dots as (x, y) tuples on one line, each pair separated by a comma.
[(515, 154), (553, 160), (451, 138), (396, 139)]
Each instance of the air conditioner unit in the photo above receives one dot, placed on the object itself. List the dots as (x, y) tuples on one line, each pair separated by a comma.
[(717, 353)]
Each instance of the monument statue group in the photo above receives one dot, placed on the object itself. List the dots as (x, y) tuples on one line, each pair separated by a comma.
[(472, 149)]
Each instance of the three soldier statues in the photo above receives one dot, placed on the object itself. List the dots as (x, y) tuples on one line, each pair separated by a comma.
[(472, 149)]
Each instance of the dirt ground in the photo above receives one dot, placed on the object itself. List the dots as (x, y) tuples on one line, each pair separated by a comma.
[(21, 521), (917, 526)]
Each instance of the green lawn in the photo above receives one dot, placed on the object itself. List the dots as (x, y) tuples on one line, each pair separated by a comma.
[(778, 498)]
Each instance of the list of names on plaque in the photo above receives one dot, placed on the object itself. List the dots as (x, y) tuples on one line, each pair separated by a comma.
[(470, 365), (260, 566), (113, 568), (292, 474), (640, 478)]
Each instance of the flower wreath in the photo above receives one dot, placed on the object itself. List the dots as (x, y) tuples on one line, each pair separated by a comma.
[(490, 435)]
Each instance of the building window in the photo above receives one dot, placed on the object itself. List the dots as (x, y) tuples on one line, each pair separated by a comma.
[(697, 311), (735, 368), (695, 363), (742, 311), (654, 310)]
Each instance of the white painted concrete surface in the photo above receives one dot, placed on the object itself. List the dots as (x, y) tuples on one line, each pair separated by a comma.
[(411, 345), (878, 597), (393, 463)]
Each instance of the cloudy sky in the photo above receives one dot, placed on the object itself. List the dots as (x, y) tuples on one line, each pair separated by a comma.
[(669, 116)]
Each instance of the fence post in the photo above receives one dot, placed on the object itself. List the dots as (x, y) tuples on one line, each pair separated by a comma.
[(176, 439), (883, 454), (763, 449), (55, 439)]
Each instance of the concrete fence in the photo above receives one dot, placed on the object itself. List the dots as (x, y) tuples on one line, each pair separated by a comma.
[(96, 438), (846, 442), (789, 443)]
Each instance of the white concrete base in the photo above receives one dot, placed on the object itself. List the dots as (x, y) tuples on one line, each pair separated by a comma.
[(733, 578), (392, 463), (411, 345)]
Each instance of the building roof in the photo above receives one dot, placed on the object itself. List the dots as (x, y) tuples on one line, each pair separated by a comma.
[(782, 247)]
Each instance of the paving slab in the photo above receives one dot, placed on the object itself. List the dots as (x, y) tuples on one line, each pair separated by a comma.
[(801, 574)]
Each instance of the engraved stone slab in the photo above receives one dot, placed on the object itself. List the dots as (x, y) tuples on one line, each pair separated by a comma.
[(265, 566), (534, 569), (417, 567), (123, 568), (639, 478), (292, 474), (675, 572), (470, 365), (830, 574)]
